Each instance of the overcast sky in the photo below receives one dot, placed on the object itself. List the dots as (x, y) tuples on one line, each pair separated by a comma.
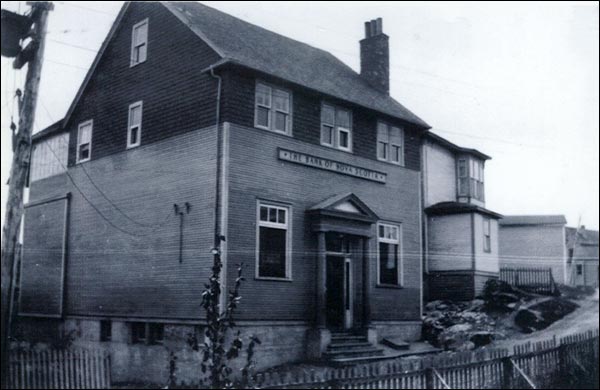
[(518, 82)]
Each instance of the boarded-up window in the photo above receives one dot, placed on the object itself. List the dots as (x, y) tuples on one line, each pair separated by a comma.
[(43, 259), (49, 157)]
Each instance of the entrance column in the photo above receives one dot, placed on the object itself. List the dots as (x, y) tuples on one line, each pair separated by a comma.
[(368, 251), (321, 281), (319, 336)]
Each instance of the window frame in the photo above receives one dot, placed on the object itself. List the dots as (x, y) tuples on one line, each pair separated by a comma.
[(399, 242), (487, 237), (288, 238), (104, 337), (132, 61), (579, 269), (272, 111), (139, 104), (89, 122), (337, 129), (390, 145)]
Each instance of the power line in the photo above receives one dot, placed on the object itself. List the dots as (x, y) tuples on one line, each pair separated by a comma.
[(72, 45), (88, 9), (65, 64)]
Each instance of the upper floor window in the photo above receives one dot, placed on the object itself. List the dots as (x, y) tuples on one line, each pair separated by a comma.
[(487, 235), (84, 141), (389, 261), (273, 252), (134, 126), (470, 178), (390, 143), (139, 42), (272, 108), (336, 127)]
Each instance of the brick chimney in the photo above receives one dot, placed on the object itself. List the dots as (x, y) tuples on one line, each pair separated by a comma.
[(375, 56)]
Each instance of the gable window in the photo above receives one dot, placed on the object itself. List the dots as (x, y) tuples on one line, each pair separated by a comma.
[(273, 236), (487, 235), (134, 127), (390, 143), (139, 43), (272, 108), (84, 141), (336, 127), (105, 330), (389, 261)]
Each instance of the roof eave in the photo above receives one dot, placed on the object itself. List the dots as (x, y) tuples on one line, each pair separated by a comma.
[(424, 127)]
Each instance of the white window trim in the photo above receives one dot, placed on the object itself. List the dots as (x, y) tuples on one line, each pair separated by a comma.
[(272, 109), (337, 129), (398, 242), (132, 63), (288, 228), (389, 144), (139, 104), (83, 124)]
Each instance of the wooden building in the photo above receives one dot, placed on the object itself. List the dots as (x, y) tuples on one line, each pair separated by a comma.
[(191, 120)]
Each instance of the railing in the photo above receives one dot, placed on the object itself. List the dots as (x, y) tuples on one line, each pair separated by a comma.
[(538, 280), (571, 362), (59, 369)]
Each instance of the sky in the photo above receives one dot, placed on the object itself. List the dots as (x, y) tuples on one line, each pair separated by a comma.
[(517, 81)]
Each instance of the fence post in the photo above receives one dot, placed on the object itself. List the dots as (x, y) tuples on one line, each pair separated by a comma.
[(562, 362), (429, 378), (507, 372)]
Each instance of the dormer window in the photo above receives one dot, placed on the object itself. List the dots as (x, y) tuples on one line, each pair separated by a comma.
[(390, 143), (336, 127), (139, 42), (272, 108), (470, 178)]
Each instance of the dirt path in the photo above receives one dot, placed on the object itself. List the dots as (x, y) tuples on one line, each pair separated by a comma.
[(581, 320)]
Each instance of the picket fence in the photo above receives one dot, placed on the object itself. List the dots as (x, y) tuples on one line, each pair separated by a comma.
[(537, 280), (59, 369), (571, 362)]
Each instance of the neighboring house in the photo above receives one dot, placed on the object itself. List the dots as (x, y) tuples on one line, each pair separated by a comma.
[(534, 241), (312, 176), (582, 256), (460, 234)]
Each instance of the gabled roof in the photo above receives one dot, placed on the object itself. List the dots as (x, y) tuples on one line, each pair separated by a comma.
[(447, 208), (530, 220), (346, 206), (584, 236), (55, 128), (241, 43), (455, 148)]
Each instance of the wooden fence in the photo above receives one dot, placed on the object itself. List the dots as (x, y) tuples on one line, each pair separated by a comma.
[(59, 369), (571, 362), (537, 280)]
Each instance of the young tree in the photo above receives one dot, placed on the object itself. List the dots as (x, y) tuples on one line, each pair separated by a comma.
[(217, 351)]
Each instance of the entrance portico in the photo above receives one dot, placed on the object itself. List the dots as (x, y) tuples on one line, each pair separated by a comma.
[(343, 225)]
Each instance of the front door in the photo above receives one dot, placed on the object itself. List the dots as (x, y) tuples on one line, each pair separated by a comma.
[(339, 292)]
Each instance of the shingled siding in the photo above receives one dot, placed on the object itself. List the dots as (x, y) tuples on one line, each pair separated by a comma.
[(177, 97), (256, 173), (112, 273), (238, 108)]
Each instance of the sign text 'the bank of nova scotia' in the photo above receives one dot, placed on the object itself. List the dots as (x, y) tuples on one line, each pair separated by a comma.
[(331, 165)]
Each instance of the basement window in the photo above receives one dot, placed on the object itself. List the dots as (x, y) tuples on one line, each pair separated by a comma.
[(84, 141), (139, 43), (105, 330), (134, 127)]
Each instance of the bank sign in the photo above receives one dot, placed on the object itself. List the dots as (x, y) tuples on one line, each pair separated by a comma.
[(331, 165)]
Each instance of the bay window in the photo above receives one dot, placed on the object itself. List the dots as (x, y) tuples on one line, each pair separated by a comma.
[(470, 179)]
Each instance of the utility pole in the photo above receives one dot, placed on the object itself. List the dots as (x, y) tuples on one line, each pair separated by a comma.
[(33, 55)]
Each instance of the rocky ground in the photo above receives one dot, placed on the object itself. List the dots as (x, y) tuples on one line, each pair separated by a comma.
[(502, 315)]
